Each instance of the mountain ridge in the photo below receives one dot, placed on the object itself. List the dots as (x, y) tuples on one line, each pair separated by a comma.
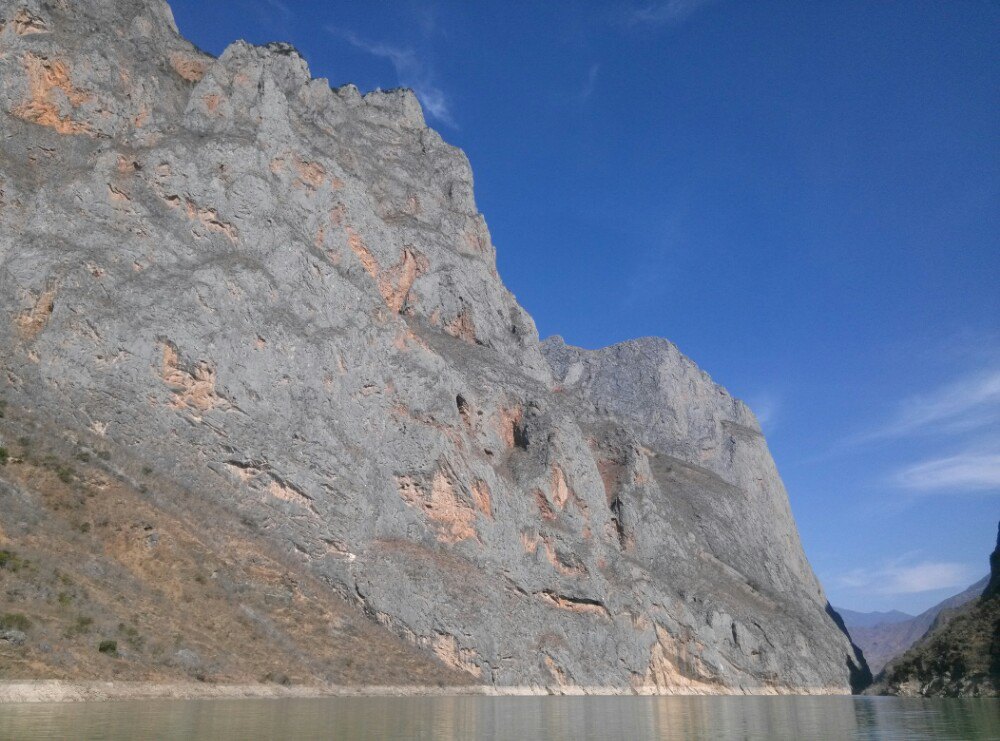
[(884, 641), (854, 618), (959, 655)]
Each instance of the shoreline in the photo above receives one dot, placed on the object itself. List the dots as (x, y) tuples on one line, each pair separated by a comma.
[(63, 691)]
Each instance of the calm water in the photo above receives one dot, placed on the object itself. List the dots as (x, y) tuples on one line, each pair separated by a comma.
[(514, 718)]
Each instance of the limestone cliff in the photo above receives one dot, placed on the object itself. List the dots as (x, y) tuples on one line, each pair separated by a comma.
[(282, 298)]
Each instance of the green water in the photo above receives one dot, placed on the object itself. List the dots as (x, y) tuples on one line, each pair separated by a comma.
[(514, 718)]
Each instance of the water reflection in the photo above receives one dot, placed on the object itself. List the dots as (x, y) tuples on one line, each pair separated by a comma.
[(515, 718)]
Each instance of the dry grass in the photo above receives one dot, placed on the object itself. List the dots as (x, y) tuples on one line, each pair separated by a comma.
[(180, 589)]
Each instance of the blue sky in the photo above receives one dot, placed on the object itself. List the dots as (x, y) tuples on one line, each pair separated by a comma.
[(802, 196)]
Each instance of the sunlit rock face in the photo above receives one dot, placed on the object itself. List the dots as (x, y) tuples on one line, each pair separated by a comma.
[(283, 296)]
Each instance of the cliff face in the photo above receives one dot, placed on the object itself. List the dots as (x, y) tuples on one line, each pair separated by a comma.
[(992, 589), (960, 654), (282, 298)]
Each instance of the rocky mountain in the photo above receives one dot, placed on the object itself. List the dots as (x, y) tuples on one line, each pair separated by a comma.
[(884, 639), (960, 654), (280, 301)]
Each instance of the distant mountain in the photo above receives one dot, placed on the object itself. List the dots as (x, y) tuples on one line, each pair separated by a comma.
[(883, 641), (870, 619), (959, 656)]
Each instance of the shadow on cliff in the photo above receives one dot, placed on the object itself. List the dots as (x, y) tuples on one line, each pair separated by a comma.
[(861, 675)]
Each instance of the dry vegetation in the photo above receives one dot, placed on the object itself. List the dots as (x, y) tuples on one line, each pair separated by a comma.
[(109, 571)]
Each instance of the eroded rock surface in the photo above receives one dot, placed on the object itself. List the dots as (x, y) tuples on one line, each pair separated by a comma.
[(283, 297)]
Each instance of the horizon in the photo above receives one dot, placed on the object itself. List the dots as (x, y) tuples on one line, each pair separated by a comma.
[(802, 201)]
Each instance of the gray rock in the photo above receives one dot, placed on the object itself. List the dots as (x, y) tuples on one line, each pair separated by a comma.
[(284, 296), (13, 637), (188, 660)]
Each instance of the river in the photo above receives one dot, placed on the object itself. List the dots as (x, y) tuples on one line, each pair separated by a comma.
[(514, 718)]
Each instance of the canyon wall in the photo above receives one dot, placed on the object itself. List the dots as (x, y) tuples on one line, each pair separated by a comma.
[(282, 297)]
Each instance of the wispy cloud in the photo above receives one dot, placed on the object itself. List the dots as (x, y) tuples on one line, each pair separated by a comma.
[(275, 16), (279, 6), (962, 472), (969, 403), (670, 12), (765, 406), (964, 412), (590, 83), (412, 71), (902, 576)]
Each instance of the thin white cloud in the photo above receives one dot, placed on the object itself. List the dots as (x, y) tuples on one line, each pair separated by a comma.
[(670, 12), (899, 577), (765, 407), (280, 7), (427, 18), (956, 473), (275, 16), (411, 70), (963, 405), (590, 84), (966, 411)]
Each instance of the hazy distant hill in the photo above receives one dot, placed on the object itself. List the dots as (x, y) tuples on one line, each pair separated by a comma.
[(959, 656), (870, 619), (885, 639)]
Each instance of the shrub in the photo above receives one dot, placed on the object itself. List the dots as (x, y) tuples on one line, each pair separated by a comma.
[(276, 678), (14, 621), (108, 647), (146, 470), (10, 561), (132, 636), (83, 457), (81, 626), (4, 456)]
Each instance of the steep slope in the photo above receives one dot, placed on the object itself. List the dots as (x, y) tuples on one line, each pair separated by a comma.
[(282, 298), (96, 549), (959, 656), (884, 641), (992, 589)]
